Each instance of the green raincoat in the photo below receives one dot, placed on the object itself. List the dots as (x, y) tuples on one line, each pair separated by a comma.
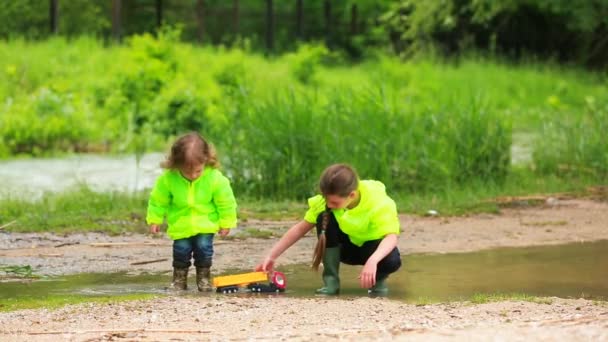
[(373, 218), (192, 207)]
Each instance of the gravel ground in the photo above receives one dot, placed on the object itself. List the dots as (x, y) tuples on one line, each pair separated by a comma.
[(269, 318)]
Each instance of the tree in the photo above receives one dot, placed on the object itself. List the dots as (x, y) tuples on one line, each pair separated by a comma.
[(269, 26), (54, 15)]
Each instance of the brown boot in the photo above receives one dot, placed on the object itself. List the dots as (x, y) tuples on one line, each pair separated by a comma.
[(180, 279), (203, 279)]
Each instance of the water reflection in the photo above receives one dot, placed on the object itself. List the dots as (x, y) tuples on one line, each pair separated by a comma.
[(568, 271)]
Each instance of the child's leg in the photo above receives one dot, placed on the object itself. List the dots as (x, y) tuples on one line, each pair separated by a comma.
[(355, 255), (389, 264), (331, 257), (203, 259), (182, 253)]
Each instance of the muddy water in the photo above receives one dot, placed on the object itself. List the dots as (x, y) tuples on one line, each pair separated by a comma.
[(32, 177), (567, 271)]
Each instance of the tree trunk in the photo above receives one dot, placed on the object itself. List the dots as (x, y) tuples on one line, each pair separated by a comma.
[(116, 19), (235, 16), (328, 23), (354, 17), (54, 16), (269, 26), (159, 13), (299, 18), (200, 19)]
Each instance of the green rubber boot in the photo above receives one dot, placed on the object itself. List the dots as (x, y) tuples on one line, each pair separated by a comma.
[(203, 279), (180, 279), (380, 289), (331, 272)]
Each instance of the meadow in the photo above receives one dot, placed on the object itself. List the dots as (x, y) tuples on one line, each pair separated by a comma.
[(439, 134)]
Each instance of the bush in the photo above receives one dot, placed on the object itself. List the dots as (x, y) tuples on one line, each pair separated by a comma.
[(576, 146)]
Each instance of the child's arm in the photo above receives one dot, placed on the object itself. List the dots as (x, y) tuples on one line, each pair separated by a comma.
[(294, 234), (159, 201), (385, 221), (224, 200), (367, 277)]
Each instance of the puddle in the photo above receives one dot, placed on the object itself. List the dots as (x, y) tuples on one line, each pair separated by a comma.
[(33, 177), (567, 271)]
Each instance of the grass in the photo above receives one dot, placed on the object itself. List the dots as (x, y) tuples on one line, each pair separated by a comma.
[(17, 272), (84, 210), (484, 198), (501, 297), (420, 126), (76, 210), (58, 301)]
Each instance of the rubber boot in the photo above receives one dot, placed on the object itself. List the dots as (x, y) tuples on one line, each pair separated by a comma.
[(380, 289), (180, 279), (331, 272), (203, 279)]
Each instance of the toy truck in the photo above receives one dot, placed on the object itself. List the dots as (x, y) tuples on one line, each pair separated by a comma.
[(253, 281)]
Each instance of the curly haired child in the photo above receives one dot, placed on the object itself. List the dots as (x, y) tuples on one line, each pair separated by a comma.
[(197, 201)]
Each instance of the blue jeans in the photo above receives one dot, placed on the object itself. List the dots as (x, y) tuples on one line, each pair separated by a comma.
[(198, 246)]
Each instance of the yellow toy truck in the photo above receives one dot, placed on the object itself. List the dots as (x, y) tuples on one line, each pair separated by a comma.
[(251, 281)]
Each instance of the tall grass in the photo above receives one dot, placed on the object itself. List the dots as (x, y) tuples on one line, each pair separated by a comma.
[(576, 146), (79, 209), (417, 126), (284, 141)]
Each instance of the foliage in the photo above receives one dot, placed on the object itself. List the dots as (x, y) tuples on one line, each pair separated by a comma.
[(24, 271), (29, 18), (514, 28), (43, 122), (576, 146), (80, 209), (305, 62), (481, 298), (54, 301), (417, 126)]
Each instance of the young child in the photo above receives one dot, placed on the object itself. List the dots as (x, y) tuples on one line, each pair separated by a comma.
[(197, 201), (357, 224)]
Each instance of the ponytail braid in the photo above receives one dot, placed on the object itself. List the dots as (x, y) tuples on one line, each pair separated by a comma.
[(319, 252)]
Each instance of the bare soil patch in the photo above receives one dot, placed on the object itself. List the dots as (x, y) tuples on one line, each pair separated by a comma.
[(266, 318)]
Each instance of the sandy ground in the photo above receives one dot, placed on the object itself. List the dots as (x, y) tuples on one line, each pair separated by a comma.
[(266, 318)]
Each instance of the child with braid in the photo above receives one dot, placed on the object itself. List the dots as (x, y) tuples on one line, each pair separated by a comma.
[(356, 223), (197, 201)]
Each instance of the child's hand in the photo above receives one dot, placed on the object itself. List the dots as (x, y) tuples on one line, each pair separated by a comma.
[(367, 277), (224, 232), (154, 228), (266, 266)]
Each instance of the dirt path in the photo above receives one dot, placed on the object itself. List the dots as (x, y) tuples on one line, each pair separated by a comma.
[(236, 318), (559, 222)]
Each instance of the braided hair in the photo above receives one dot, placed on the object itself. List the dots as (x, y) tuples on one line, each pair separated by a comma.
[(340, 180)]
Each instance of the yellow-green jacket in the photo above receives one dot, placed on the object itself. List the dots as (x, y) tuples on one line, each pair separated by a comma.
[(373, 218), (192, 207)]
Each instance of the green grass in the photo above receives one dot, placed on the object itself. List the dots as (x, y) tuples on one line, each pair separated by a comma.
[(76, 210), (501, 297), (58, 301), (17, 272), (420, 126), (83, 210), (482, 197)]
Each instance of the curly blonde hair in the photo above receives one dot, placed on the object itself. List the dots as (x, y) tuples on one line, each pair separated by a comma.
[(190, 149)]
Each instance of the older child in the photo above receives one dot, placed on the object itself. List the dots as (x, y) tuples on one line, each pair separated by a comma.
[(356, 223), (197, 201)]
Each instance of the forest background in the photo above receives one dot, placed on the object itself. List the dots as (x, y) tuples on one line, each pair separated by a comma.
[(437, 99)]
